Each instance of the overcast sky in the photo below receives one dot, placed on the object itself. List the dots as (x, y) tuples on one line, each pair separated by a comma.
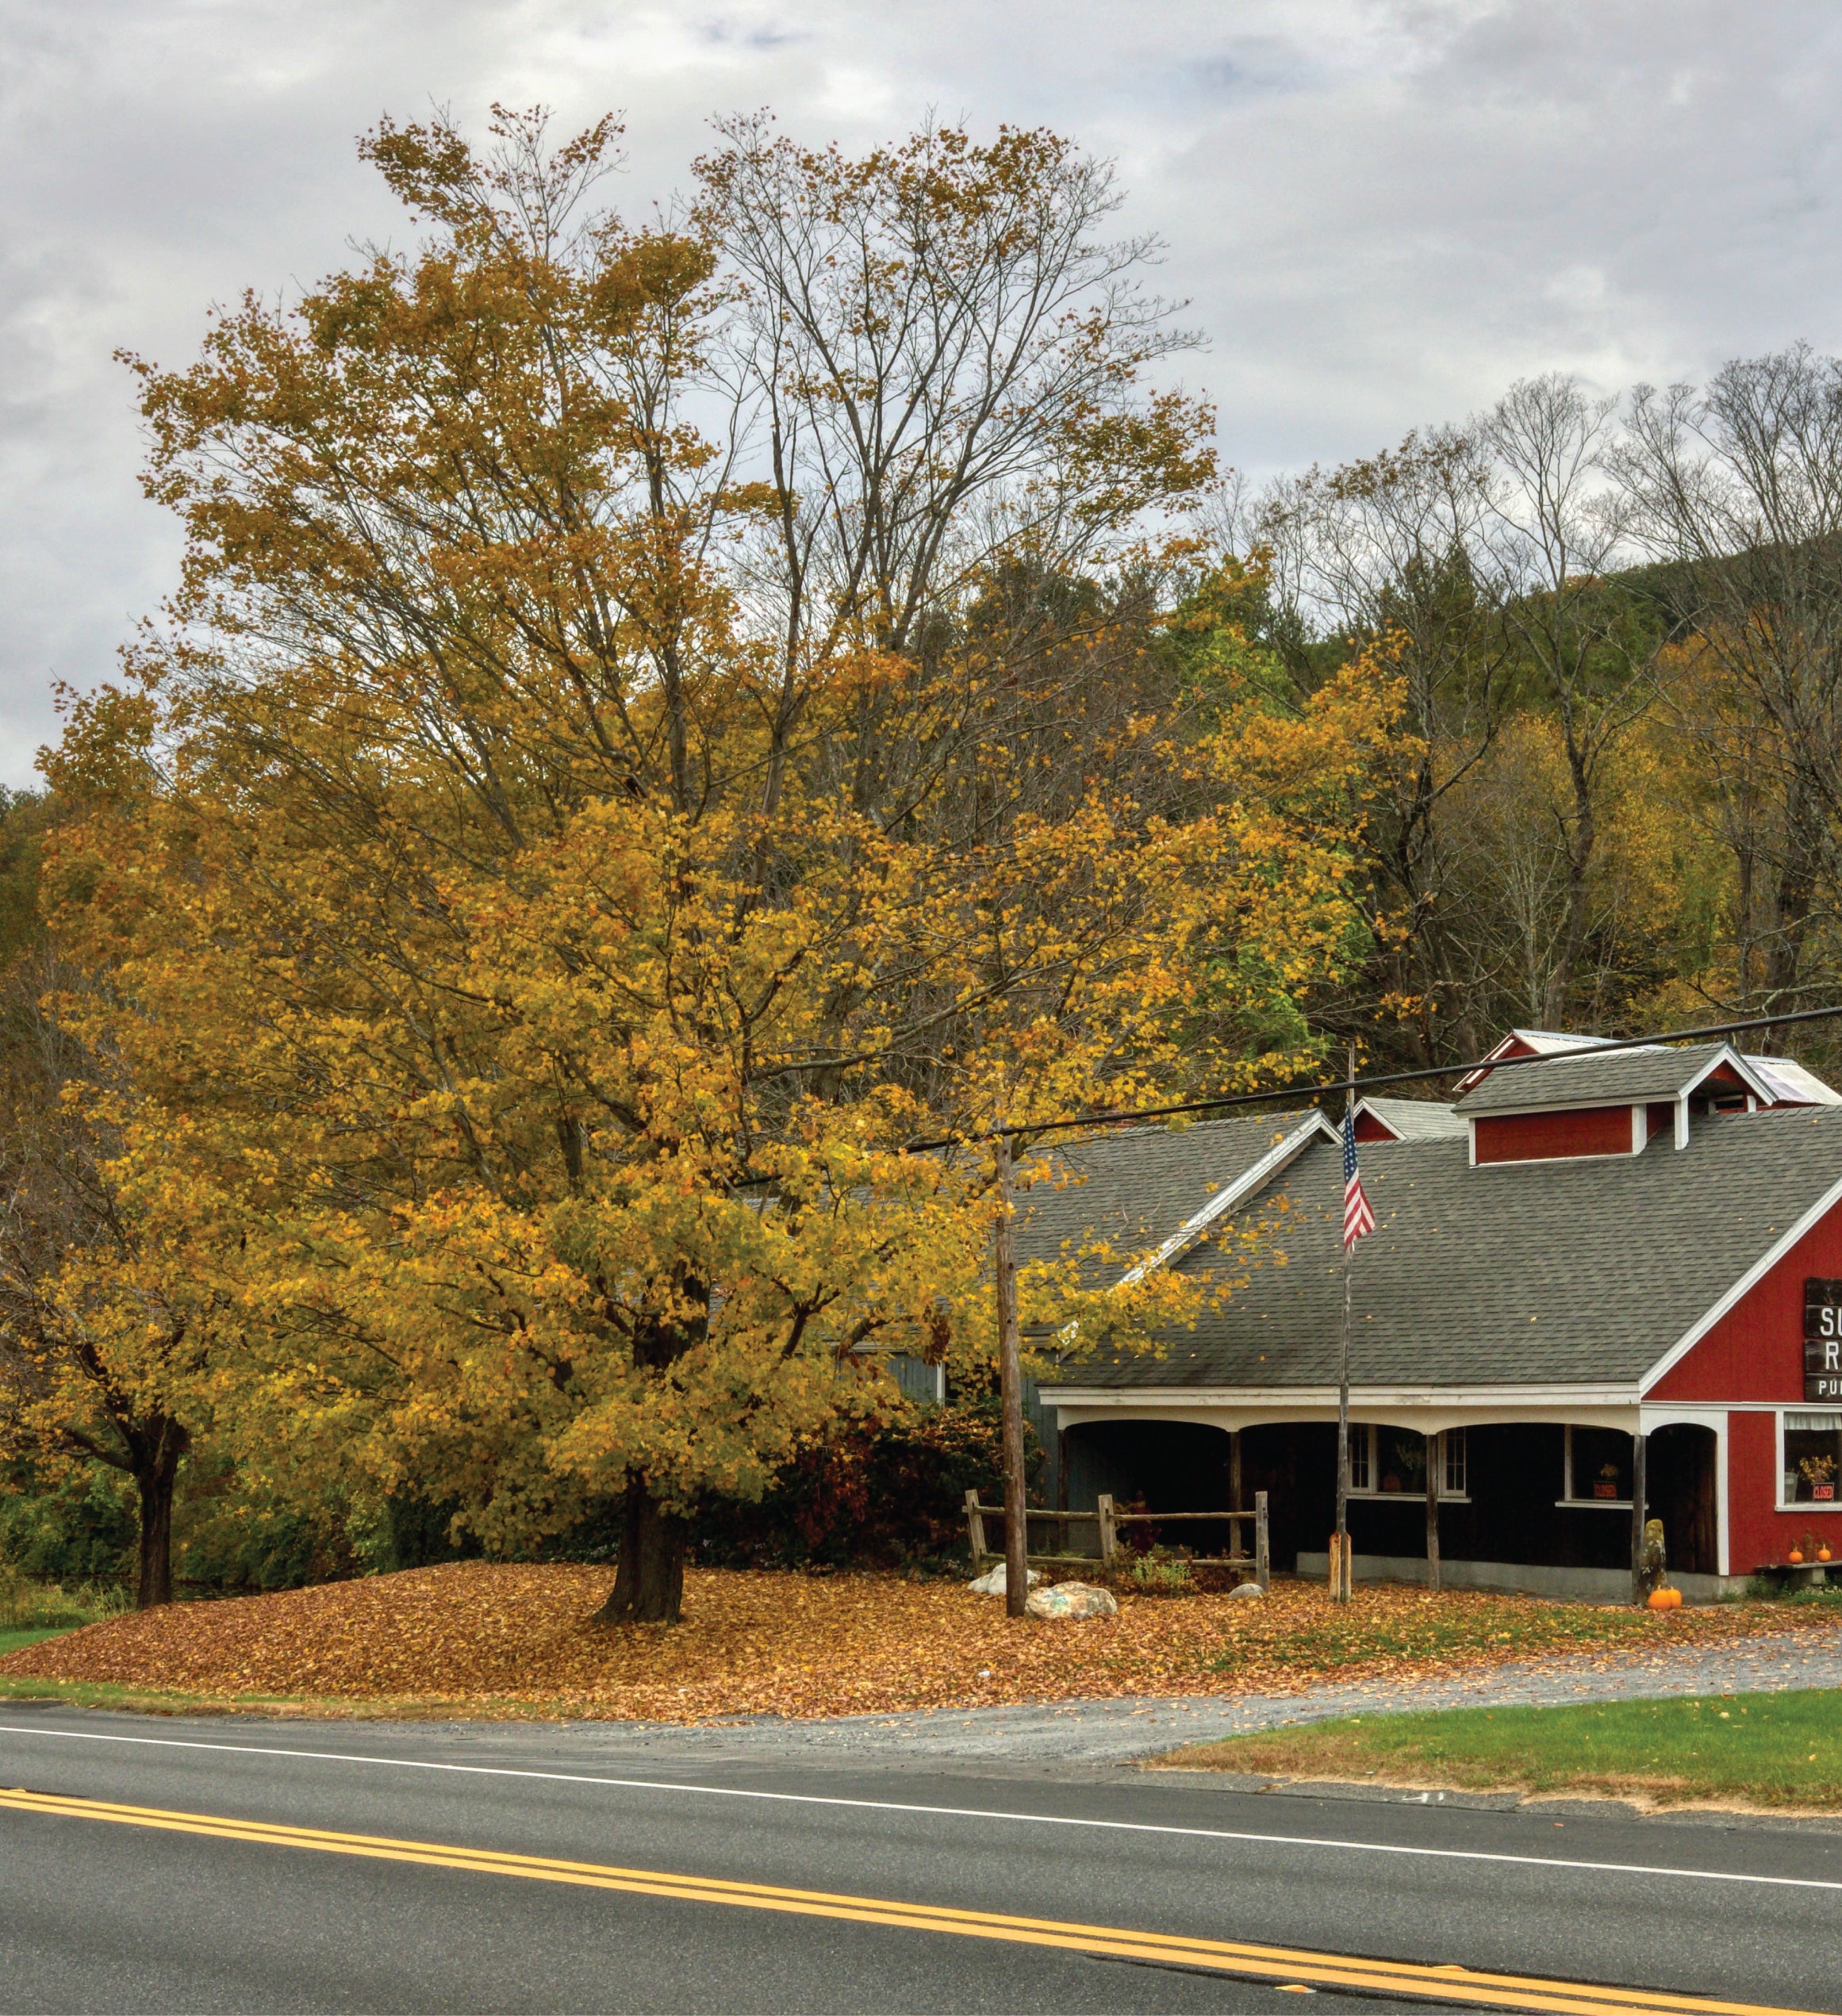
[(1381, 214)]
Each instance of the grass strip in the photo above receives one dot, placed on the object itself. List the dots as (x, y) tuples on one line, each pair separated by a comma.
[(330, 1707), (1783, 1750), (17, 1637)]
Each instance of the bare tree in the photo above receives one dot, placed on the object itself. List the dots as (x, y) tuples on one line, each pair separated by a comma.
[(1385, 549), (936, 364), (1737, 487), (1550, 535)]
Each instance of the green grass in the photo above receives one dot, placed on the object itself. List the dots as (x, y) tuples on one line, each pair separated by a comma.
[(1430, 1629), (1762, 1750), (16, 1637)]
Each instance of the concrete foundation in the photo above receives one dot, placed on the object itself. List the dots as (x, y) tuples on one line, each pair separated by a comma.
[(1584, 1585)]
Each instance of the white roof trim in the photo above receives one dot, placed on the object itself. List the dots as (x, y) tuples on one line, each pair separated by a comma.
[(1749, 1280), (1728, 1054), (1579, 1394), (1248, 1181)]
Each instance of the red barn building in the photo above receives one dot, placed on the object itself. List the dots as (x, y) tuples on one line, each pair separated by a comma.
[(1581, 1256)]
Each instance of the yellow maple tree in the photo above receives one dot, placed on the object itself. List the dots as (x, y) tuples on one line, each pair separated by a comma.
[(558, 857)]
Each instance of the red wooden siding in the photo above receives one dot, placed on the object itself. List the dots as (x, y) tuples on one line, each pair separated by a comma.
[(1755, 1352), (1369, 1128), (1540, 1136)]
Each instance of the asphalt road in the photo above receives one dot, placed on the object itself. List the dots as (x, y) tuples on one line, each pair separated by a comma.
[(852, 1886)]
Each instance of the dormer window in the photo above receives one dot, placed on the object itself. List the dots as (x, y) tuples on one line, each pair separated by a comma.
[(1604, 1103)]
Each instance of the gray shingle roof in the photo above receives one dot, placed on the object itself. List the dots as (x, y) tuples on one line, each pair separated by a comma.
[(1419, 1120), (1581, 1271), (1134, 1187), (1607, 1080)]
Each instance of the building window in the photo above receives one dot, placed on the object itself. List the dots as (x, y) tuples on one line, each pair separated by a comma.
[(922, 1382), (1452, 1484), (1392, 1463), (1811, 1463), (1597, 1468)]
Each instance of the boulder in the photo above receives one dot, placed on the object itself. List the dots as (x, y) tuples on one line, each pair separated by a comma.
[(995, 1582), (1069, 1602), (1247, 1589)]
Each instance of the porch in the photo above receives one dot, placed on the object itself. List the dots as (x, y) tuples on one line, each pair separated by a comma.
[(1543, 1505)]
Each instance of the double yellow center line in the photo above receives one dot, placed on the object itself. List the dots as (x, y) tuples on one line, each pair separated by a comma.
[(1284, 1965)]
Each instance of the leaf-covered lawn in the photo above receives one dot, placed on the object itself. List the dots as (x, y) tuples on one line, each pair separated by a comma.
[(1768, 1750), (518, 1640)]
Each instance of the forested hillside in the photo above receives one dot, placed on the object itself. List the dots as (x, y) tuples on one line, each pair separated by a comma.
[(655, 719)]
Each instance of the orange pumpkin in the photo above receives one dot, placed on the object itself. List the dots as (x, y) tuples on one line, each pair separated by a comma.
[(1822, 1554), (1666, 1599), (1795, 1556)]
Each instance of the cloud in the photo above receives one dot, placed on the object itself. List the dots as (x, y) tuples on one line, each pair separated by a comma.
[(1380, 213)]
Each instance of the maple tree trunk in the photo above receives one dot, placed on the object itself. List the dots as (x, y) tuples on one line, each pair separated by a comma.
[(155, 1477), (649, 1584)]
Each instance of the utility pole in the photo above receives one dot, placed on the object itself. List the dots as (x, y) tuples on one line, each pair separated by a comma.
[(1010, 1391), (1340, 1565)]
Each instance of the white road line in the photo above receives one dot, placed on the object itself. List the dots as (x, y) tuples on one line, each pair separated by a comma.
[(941, 1812)]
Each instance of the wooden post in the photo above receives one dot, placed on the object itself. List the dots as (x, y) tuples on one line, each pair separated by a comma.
[(975, 1527), (1639, 1492), (1010, 1390), (1234, 1500), (1340, 1554), (1435, 1458), (1262, 1544), (1104, 1505)]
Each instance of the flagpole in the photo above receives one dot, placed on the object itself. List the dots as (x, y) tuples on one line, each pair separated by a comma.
[(1340, 1569)]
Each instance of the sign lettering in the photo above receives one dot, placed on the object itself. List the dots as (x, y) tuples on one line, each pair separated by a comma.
[(1822, 1339)]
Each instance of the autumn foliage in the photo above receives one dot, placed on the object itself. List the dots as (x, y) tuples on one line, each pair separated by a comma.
[(655, 722)]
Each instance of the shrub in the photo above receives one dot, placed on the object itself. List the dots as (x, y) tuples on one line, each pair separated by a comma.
[(886, 1494)]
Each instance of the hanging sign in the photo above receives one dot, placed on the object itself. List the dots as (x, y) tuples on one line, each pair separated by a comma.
[(1823, 1339)]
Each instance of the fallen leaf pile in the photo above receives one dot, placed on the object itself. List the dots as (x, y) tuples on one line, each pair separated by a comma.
[(518, 1640)]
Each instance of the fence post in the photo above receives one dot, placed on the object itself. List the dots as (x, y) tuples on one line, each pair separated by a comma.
[(975, 1526), (1105, 1503), (1262, 1544)]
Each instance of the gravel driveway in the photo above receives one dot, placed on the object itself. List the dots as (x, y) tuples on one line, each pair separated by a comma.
[(1116, 1731)]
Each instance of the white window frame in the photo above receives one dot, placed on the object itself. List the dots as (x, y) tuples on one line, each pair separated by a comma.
[(1370, 1434), (1567, 1501), (1802, 1504)]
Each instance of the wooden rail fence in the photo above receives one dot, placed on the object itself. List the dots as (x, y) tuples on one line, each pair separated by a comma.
[(1258, 1564)]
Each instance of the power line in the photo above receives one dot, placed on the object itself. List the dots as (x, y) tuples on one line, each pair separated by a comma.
[(1595, 1048)]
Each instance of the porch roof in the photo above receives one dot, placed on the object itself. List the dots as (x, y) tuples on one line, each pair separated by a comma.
[(1580, 1271)]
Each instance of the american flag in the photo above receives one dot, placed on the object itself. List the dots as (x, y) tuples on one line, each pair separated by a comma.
[(1358, 1220)]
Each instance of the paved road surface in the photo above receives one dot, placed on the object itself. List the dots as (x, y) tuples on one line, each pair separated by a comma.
[(219, 1906)]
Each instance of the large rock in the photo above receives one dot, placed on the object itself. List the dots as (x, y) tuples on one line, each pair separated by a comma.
[(1069, 1602), (995, 1582), (1247, 1589)]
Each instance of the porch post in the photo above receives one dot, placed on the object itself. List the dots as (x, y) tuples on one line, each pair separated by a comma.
[(1234, 1470), (1435, 1458), (1640, 1443)]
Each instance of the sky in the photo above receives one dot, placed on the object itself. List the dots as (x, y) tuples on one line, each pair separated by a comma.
[(1380, 214)]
